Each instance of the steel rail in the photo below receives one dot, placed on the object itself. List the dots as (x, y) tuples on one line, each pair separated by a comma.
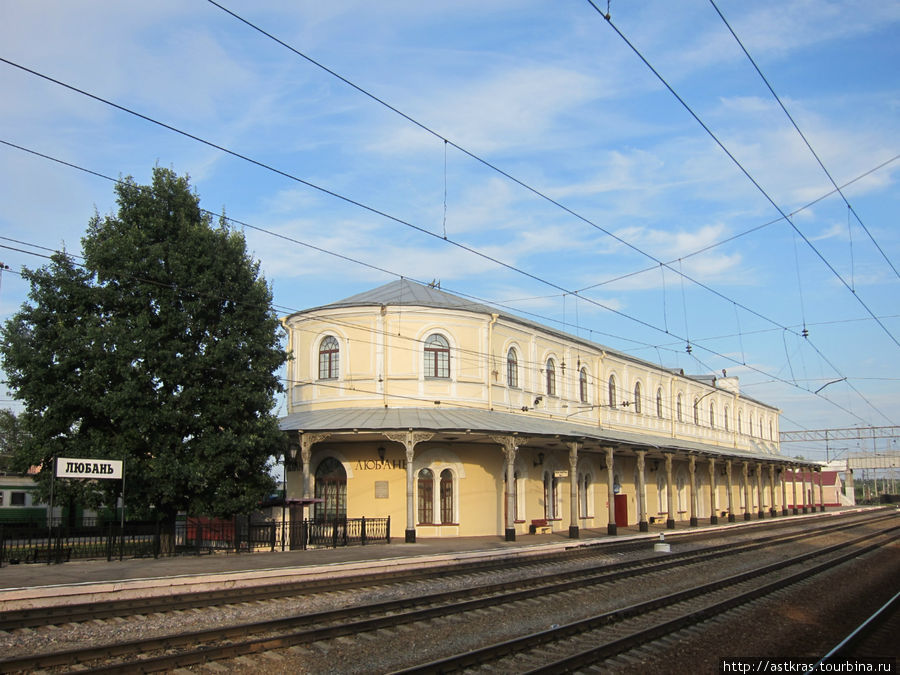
[(638, 638), (309, 628), (82, 612)]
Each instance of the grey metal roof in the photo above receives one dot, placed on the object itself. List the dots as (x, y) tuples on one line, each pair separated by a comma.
[(339, 420)]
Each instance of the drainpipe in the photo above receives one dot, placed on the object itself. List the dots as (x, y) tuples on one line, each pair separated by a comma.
[(287, 366), (490, 371)]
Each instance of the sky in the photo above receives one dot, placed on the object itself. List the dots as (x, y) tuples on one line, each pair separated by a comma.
[(633, 181)]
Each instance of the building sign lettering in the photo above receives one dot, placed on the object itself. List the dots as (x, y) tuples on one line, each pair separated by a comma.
[(379, 464)]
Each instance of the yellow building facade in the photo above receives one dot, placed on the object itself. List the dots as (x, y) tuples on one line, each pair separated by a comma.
[(454, 418)]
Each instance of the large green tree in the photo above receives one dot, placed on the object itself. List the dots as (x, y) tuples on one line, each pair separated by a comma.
[(162, 349)]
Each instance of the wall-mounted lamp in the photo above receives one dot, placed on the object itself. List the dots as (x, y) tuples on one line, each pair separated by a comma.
[(540, 459), (538, 400)]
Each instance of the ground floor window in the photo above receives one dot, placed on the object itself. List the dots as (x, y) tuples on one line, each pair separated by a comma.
[(426, 497), (447, 497), (331, 488), (550, 495)]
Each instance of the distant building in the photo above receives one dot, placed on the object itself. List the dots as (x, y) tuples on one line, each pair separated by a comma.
[(456, 418)]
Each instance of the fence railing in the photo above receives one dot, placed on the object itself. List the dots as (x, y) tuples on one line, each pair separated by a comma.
[(59, 542)]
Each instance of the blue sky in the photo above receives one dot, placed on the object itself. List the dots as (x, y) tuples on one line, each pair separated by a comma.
[(554, 97)]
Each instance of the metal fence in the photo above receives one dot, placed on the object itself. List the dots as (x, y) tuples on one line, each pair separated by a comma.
[(60, 542)]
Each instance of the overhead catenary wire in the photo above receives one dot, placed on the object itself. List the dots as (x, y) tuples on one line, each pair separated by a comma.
[(492, 166), (850, 209), (746, 173), (625, 315)]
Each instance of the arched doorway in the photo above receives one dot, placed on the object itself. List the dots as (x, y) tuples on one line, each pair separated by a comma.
[(331, 488)]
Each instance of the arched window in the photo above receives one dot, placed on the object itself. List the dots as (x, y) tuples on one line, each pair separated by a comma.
[(725, 417), (612, 391), (696, 412), (750, 430), (447, 496), (437, 356), (637, 397), (329, 358), (512, 368), (659, 403), (760, 426), (582, 385), (740, 423), (662, 492), (771, 431), (712, 415), (551, 378), (331, 488), (426, 497), (678, 414)]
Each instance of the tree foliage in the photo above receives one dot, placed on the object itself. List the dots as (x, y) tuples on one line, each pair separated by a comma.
[(161, 350)]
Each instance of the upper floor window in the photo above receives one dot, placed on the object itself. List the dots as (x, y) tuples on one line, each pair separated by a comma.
[(637, 397), (437, 356), (760, 426), (725, 418), (696, 412), (771, 432), (512, 368), (712, 415), (750, 430), (740, 422), (551, 378), (612, 391), (659, 403), (583, 385), (678, 414), (329, 358)]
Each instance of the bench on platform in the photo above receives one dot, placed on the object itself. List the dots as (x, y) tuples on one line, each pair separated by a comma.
[(539, 526)]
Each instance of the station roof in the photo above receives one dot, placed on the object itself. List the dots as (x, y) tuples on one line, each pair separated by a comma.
[(479, 425)]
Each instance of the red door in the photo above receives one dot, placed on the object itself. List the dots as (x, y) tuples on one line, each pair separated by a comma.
[(621, 505)]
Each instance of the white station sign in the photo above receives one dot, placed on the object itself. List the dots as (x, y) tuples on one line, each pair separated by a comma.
[(67, 467)]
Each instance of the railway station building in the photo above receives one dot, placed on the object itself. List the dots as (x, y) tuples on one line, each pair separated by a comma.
[(455, 418)]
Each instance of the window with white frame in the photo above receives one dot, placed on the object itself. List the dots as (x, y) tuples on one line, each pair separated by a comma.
[(329, 358), (583, 385), (512, 368), (637, 397), (551, 377), (611, 394), (437, 356), (659, 403)]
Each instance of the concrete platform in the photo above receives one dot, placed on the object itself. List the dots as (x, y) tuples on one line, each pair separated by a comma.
[(75, 582)]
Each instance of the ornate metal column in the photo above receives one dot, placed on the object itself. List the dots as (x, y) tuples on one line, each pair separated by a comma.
[(821, 491), (573, 490), (610, 491), (510, 447), (410, 439), (643, 525), (747, 504), (784, 506), (794, 489), (730, 491), (692, 468), (713, 494), (760, 492), (772, 510), (670, 494)]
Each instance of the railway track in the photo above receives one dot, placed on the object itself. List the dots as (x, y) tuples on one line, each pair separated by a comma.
[(34, 617), (586, 643), (194, 648)]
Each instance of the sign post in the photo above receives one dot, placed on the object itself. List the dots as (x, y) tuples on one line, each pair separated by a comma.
[(97, 469)]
